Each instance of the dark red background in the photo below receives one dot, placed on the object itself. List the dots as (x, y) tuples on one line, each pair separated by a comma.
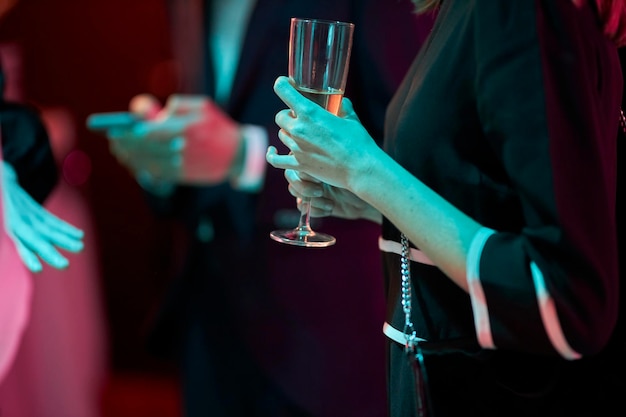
[(92, 56)]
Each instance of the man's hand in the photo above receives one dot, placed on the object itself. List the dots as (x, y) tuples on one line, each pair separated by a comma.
[(189, 141)]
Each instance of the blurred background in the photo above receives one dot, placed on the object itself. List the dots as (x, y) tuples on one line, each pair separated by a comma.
[(83, 354)]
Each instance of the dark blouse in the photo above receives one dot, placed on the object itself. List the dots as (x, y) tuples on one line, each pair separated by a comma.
[(510, 112)]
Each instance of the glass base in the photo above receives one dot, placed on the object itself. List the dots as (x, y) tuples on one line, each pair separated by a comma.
[(303, 237)]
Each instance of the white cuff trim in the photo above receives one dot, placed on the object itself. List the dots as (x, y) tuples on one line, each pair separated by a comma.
[(395, 247), (477, 295), (396, 335), (549, 316), (253, 173)]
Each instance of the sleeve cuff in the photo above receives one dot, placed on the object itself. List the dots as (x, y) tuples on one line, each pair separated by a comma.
[(253, 173), (477, 295)]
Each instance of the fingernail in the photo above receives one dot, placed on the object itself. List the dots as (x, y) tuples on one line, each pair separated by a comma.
[(35, 267), (75, 246), (61, 263)]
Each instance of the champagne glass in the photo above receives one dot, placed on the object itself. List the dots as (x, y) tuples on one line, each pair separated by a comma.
[(319, 56)]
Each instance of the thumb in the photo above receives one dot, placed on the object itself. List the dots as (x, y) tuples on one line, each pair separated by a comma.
[(146, 106)]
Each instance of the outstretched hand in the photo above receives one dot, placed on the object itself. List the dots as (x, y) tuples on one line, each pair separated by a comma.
[(37, 233), (329, 148), (189, 141)]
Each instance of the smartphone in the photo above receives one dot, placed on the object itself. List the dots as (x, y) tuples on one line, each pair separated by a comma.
[(105, 121)]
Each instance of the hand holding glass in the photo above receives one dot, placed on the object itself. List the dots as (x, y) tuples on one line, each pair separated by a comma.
[(319, 54)]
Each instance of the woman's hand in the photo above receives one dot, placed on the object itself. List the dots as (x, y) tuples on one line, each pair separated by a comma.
[(334, 150), (38, 234), (327, 200)]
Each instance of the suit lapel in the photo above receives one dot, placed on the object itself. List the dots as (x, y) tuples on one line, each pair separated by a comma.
[(189, 44), (267, 14)]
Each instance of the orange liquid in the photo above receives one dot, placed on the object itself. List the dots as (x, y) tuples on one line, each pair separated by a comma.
[(330, 99)]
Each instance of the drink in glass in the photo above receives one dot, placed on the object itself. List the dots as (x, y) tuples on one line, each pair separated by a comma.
[(319, 56)]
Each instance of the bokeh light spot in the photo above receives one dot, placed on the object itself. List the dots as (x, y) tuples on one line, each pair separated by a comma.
[(76, 167)]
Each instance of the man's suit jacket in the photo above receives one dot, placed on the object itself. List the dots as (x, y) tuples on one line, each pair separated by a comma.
[(312, 318)]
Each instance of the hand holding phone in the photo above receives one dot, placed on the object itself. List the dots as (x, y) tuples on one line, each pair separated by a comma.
[(190, 140)]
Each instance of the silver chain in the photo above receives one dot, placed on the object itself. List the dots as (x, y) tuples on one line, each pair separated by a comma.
[(405, 270), (622, 120)]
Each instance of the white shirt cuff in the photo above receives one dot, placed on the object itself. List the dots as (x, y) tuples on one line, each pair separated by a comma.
[(251, 178)]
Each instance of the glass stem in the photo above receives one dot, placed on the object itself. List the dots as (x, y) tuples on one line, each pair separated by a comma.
[(305, 216)]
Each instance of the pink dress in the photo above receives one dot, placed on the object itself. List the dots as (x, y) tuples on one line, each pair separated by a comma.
[(15, 294)]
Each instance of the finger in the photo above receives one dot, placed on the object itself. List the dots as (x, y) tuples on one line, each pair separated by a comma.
[(34, 243), (49, 230), (321, 207), (288, 141), (58, 230), (306, 177), (292, 98), (50, 255), (120, 133), (166, 148), (302, 188), (31, 245), (34, 214), (61, 231), (44, 226), (284, 118), (159, 130), (64, 241), (317, 208), (131, 152), (25, 206), (29, 259), (140, 131), (280, 161)]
